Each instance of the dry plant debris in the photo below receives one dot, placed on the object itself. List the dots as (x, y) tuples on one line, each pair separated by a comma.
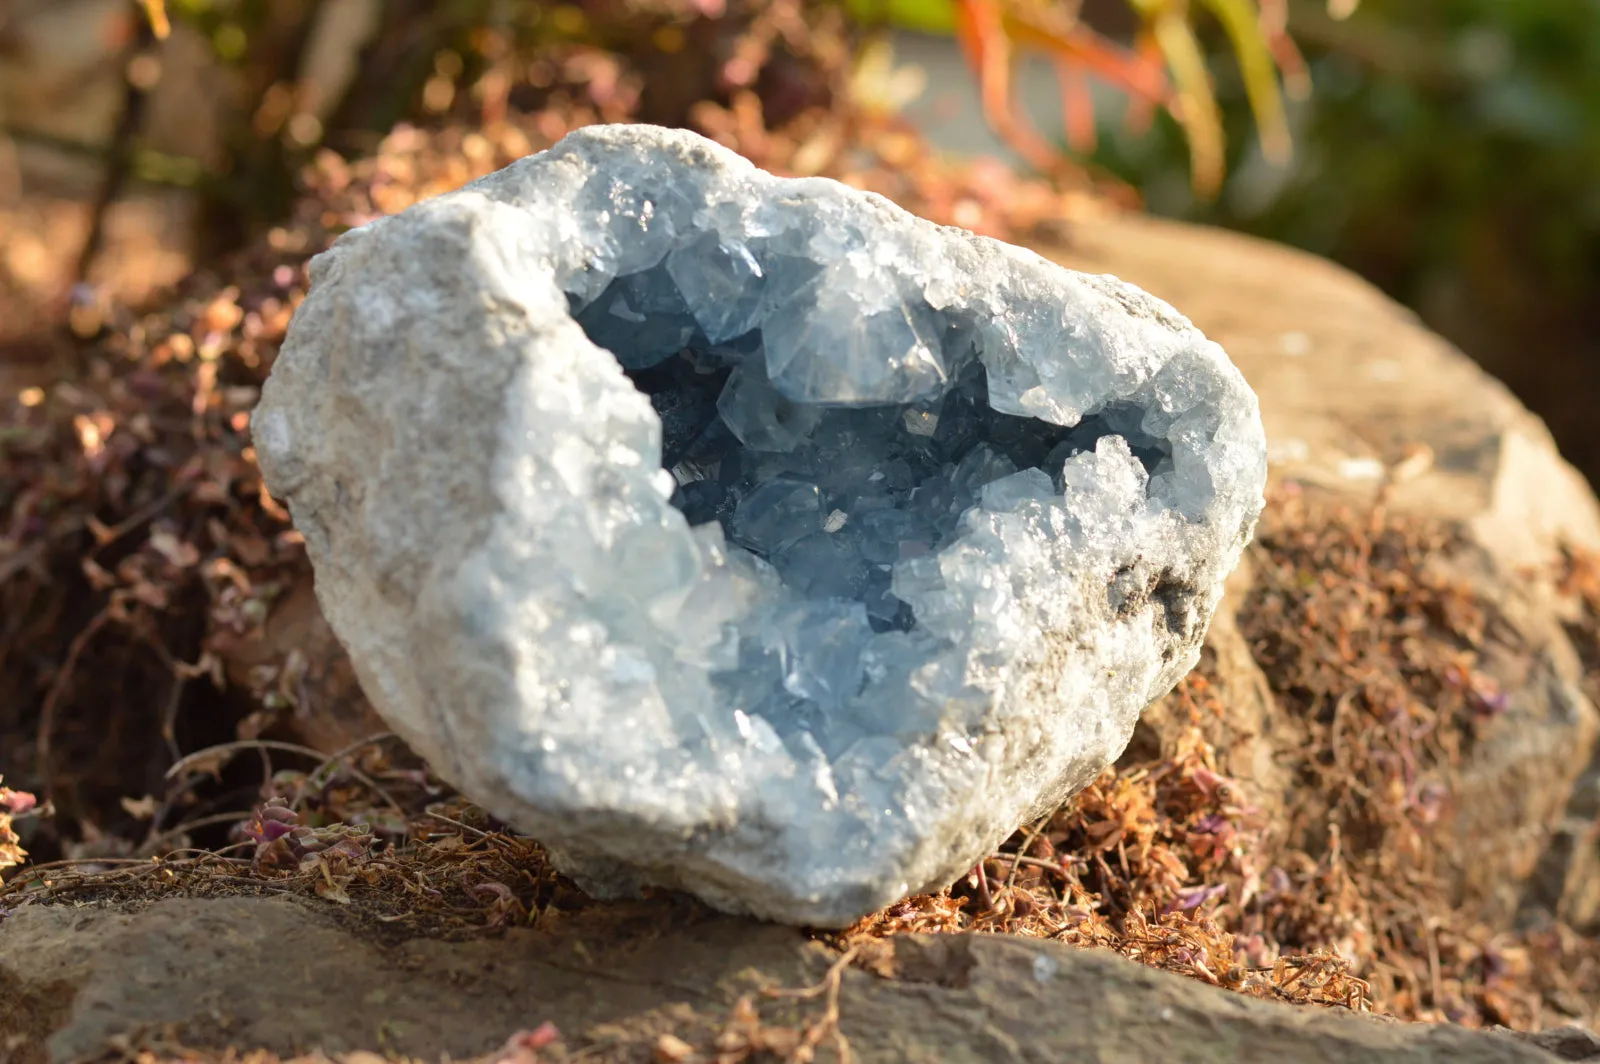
[(1153, 861), (1376, 653), (12, 804), (1164, 860), (137, 547)]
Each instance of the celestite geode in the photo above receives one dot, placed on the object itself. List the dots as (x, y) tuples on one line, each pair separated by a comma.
[(751, 536)]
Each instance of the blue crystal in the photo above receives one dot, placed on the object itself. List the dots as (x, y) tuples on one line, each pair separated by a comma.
[(641, 319), (822, 645), (723, 283), (824, 565), (1009, 493), (822, 348), (700, 500), (776, 515), (763, 418)]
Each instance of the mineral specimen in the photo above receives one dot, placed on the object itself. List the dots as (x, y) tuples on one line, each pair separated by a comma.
[(750, 536)]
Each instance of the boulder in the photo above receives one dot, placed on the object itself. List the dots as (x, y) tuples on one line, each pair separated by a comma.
[(1358, 397)]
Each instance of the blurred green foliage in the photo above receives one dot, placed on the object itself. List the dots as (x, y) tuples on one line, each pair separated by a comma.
[(1438, 128), (1450, 153)]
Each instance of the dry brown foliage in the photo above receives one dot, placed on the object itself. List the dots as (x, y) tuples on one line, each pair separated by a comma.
[(137, 545), (1375, 651), (1152, 861), (12, 804)]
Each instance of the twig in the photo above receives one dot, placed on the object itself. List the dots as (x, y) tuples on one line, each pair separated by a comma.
[(1027, 841), (828, 989), (339, 755), (1035, 862), (180, 682), (227, 750), (985, 898), (154, 842), (74, 862), (366, 780), (464, 827), (104, 537), (164, 861), (122, 149), (169, 715)]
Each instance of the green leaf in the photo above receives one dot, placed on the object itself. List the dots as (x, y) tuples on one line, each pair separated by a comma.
[(923, 16), (1242, 22)]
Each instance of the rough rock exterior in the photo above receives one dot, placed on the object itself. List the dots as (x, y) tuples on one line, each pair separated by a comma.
[(614, 983), (1357, 395), (751, 536)]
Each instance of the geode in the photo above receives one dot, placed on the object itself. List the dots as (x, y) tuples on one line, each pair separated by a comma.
[(750, 536)]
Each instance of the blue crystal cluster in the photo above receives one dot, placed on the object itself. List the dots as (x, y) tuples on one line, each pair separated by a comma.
[(796, 549), (831, 412), (838, 490)]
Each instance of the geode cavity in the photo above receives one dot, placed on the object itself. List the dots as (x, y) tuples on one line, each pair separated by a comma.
[(751, 536)]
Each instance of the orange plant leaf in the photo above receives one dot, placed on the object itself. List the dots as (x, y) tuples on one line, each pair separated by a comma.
[(981, 30), (1077, 107)]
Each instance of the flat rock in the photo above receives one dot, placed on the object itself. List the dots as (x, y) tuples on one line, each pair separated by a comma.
[(288, 976)]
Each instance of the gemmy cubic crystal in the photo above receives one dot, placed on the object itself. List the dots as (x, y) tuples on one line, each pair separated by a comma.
[(751, 536)]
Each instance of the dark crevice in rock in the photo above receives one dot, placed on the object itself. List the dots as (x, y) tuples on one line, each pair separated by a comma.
[(1133, 587), (1176, 599)]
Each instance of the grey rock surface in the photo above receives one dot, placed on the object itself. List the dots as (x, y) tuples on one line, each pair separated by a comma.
[(751, 536), (80, 982)]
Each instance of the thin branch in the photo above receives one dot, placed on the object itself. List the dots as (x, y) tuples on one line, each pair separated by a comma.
[(129, 118)]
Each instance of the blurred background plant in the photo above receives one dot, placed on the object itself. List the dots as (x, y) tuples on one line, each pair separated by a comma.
[(1448, 154), (1163, 65), (1442, 148)]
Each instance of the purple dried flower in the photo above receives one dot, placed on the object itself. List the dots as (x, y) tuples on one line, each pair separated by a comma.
[(272, 821), (1195, 897), (17, 802)]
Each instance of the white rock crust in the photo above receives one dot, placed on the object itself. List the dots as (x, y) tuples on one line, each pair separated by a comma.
[(481, 492)]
